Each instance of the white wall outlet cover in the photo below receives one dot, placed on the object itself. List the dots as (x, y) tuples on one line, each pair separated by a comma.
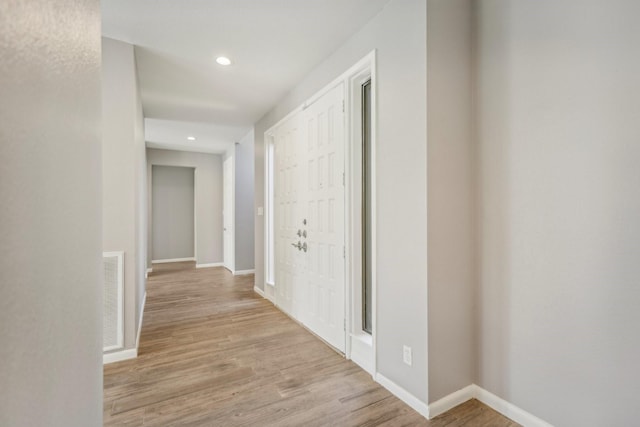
[(260, 210), (406, 355)]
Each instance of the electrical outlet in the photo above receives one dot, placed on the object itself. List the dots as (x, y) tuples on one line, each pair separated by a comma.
[(260, 211), (406, 354)]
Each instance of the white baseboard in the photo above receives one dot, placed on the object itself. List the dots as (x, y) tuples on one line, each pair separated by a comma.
[(362, 352), (213, 264), (164, 261), (270, 292), (451, 401), (119, 356), (243, 272), (259, 291), (144, 303), (402, 394), (508, 409)]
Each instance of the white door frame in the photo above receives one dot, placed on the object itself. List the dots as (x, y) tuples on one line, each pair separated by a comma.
[(231, 258), (360, 347)]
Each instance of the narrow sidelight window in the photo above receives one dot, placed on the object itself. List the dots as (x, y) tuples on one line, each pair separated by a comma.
[(367, 277)]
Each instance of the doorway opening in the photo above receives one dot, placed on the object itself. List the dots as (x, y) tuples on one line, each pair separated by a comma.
[(300, 171), (173, 214)]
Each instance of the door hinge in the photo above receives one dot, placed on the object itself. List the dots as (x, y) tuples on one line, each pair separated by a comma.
[(344, 252), (343, 179), (344, 325), (343, 105)]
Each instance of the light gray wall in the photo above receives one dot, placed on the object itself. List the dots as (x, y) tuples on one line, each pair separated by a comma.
[(172, 197), (244, 193), (50, 242), (398, 33), (123, 163), (450, 196), (559, 183), (208, 195)]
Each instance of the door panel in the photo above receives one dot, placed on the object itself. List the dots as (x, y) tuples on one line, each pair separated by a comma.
[(310, 210), (323, 122)]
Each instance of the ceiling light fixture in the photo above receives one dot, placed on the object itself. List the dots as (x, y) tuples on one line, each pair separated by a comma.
[(223, 60), (191, 138)]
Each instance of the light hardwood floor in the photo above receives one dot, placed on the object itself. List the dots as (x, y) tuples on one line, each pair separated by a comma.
[(213, 353)]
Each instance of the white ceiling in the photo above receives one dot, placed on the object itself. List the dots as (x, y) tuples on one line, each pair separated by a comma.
[(273, 44)]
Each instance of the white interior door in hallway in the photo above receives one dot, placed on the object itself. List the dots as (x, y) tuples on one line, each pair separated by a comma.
[(228, 214), (310, 217)]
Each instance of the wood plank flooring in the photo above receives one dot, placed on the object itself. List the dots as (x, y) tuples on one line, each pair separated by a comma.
[(213, 353)]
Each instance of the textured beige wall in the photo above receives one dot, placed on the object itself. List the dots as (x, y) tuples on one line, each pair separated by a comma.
[(50, 193)]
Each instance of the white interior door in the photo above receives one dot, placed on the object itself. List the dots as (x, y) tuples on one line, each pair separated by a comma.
[(323, 128), (309, 217), (287, 202), (228, 214)]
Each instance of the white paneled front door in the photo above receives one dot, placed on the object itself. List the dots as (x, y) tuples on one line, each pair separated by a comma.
[(323, 130), (287, 201), (310, 215)]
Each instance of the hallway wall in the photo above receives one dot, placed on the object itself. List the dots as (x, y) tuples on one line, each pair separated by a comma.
[(123, 177), (451, 196), (559, 186), (244, 211), (50, 238)]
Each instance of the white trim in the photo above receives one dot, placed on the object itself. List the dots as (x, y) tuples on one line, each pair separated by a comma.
[(119, 356), (508, 409), (164, 261), (144, 303), (451, 401), (149, 270), (363, 70), (270, 292), (231, 210), (195, 215), (243, 272), (259, 291), (362, 351), (212, 264), (402, 394)]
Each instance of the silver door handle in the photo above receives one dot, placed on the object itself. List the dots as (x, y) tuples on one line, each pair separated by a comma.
[(297, 245)]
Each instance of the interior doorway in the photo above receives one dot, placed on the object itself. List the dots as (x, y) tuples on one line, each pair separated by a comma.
[(173, 214)]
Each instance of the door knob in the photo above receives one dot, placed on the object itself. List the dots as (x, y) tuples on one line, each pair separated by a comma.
[(297, 245)]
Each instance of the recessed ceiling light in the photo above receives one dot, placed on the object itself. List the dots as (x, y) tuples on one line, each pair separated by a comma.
[(191, 138), (223, 60)]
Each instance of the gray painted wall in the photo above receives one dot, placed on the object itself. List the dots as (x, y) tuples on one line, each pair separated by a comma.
[(398, 33), (208, 195), (172, 198), (123, 163), (244, 194), (450, 196), (50, 242), (559, 185)]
